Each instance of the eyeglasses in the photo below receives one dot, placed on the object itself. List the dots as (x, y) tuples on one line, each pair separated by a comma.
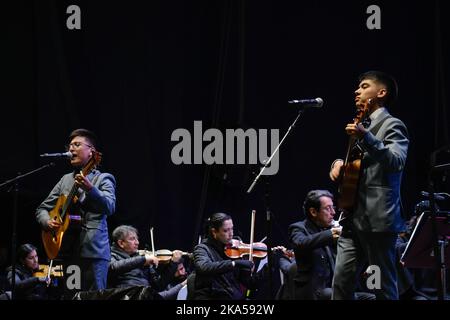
[(77, 145), (330, 208)]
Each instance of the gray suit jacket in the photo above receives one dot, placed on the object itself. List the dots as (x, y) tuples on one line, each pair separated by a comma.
[(378, 207), (95, 206)]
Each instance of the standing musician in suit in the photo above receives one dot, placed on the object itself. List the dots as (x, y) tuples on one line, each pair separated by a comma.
[(96, 201), (376, 219), (313, 241)]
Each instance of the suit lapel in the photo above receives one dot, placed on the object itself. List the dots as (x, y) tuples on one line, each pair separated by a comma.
[(376, 123)]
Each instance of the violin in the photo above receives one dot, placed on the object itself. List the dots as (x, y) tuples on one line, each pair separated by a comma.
[(289, 253), (163, 255), (43, 271), (237, 249)]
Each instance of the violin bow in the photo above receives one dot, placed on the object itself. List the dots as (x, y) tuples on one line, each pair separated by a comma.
[(151, 239), (252, 235), (49, 272)]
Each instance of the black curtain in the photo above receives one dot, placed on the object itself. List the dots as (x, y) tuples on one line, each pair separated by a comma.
[(136, 71)]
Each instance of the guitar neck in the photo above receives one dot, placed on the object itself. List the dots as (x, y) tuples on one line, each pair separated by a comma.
[(69, 200), (351, 143), (87, 169)]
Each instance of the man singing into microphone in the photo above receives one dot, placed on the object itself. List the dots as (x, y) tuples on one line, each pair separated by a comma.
[(96, 200), (376, 218)]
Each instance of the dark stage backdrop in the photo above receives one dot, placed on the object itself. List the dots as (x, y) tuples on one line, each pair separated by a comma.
[(138, 70)]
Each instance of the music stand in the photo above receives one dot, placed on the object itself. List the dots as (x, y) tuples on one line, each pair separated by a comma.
[(419, 252)]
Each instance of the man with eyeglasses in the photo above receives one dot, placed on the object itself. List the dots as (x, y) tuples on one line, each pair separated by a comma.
[(96, 201), (313, 241)]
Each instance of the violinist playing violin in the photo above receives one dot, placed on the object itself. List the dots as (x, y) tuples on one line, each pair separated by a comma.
[(218, 277), (28, 286), (128, 268), (375, 218), (313, 241)]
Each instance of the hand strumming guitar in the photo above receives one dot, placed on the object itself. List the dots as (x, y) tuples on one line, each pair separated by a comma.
[(53, 224), (336, 169)]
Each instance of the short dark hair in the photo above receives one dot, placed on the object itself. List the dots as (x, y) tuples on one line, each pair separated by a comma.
[(216, 221), (121, 232), (23, 251), (84, 133), (385, 79), (312, 200)]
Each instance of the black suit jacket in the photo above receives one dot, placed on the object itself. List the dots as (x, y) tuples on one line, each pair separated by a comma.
[(216, 278), (314, 255)]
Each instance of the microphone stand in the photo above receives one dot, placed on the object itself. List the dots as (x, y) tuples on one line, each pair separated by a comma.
[(267, 204), (15, 187)]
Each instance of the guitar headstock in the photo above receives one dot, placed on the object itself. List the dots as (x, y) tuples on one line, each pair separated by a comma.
[(362, 112), (93, 162)]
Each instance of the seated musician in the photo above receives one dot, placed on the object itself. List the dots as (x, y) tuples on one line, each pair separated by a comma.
[(128, 268), (27, 286), (174, 272), (314, 243), (217, 277)]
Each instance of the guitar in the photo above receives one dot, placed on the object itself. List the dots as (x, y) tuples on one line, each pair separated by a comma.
[(350, 171), (53, 239)]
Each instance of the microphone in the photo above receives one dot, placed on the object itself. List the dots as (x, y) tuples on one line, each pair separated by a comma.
[(67, 154), (308, 103)]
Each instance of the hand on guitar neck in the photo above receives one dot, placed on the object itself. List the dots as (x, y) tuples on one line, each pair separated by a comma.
[(83, 182), (355, 130)]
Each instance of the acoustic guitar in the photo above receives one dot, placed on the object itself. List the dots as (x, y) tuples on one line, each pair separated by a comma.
[(53, 239)]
